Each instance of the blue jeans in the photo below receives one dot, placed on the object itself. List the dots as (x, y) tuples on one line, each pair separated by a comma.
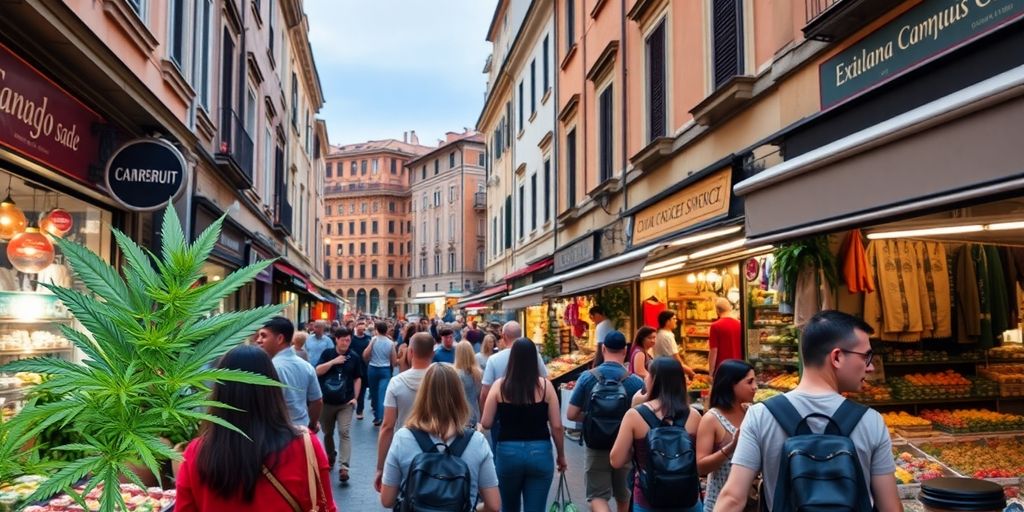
[(525, 470), (379, 378), (698, 507)]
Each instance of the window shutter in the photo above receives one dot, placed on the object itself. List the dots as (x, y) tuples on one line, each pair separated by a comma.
[(606, 128), (727, 34), (508, 222), (570, 159), (656, 82)]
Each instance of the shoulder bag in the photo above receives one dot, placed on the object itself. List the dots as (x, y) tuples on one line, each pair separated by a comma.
[(312, 476)]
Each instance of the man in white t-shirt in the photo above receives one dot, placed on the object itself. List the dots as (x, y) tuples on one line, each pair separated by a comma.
[(602, 324), (401, 394), (837, 356)]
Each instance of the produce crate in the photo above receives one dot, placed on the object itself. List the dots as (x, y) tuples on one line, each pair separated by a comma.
[(1011, 389)]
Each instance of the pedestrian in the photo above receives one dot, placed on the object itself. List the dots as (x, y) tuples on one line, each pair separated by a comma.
[(725, 336), (302, 394), (382, 358), (470, 373), (640, 355), (299, 344), (361, 340), (836, 356), (732, 392), (475, 336), (497, 364), (602, 324), (600, 399), (223, 470), (340, 371), (667, 403), (441, 413), (526, 406), (445, 352), (486, 350), (403, 348), (400, 395), (665, 342), (318, 341)]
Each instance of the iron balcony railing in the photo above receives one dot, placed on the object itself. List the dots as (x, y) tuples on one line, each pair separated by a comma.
[(235, 148)]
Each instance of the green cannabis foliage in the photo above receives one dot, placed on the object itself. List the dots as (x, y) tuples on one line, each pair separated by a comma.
[(147, 364)]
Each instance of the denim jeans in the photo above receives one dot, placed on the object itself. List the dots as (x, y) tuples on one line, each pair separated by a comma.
[(525, 470), (379, 378), (697, 507)]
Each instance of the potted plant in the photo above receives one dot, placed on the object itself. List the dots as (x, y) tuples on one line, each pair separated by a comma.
[(791, 258), (147, 364)]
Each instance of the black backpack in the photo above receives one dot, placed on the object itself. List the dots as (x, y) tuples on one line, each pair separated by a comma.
[(607, 405), (437, 482), (819, 472), (669, 479)]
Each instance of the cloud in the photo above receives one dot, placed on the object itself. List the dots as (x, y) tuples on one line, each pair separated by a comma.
[(389, 66)]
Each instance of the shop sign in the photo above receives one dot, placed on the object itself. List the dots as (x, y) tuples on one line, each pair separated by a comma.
[(254, 256), (920, 35), (702, 201), (144, 174), (576, 254), (41, 121)]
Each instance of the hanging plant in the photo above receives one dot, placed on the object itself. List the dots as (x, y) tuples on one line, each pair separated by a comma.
[(616, 303), (790, 258)]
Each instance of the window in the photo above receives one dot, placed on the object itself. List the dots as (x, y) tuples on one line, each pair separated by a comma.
[(494, 235), (362, 271), (656, 87), (327, 270), (391, 248), (295, 101), (533, 203), (544, 192), (547, 65), (373, 227), (373, 271), (373, 166), (424, 174), (376, 206), (327, 211), (437, 166), (726, 39), (451, 159), (362, 207), (340, 275), (451, 193), (522, 211), (437, 263), (201, 53), (437, 197), (604, 131), (351, 228), (451, 227), (570, 168), (341, 250), (521, 109), (482, 159), (533, 87), (327, 250), (570, 23), (373, 248), (351, 248), (362, 248), (352, 207), (250, 109), (508, 221), (329, 229), (391, 270), (437, 229), (362, 167), (391, 227), (330, 169), (391, 206), (176, 35), (423, 267), (362, 227), (138, 6), (480, 259), (351, 271), (352, 168), (394, 166), (268, 186), (451, 262)]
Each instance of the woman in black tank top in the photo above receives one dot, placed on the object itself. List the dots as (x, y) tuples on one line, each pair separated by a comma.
[(525, 405)]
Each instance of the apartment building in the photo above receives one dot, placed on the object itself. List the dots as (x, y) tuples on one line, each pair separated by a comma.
[(366, 227), (448, 203)]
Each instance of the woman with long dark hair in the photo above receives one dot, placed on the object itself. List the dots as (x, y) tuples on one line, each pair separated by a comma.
[(640, 354), (225, 471), (525, 405), (732, 391), (667, 400)]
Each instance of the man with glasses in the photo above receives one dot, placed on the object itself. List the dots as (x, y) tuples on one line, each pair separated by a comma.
[(837, 357)]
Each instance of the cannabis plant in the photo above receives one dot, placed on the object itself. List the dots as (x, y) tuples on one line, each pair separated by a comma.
[(147, 369)]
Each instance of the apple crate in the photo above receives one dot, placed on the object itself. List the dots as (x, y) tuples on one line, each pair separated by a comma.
[(1011, 389)]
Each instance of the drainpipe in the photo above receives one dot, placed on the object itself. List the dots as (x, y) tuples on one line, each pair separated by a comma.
[(625, 110), (556, 156)]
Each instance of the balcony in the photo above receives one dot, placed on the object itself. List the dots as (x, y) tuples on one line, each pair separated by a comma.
[(283, 217), (480, 201), (344, 189), (235, 150), (833, 20)]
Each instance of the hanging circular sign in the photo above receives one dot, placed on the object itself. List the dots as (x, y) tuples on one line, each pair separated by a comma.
[(144, 174), (56, 222), (752, 269), (30, 251)]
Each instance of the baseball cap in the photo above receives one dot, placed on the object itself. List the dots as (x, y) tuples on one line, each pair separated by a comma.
[(615, 340)]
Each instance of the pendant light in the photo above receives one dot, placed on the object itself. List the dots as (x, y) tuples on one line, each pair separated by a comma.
[(56, 221), (12, 219), (30, 251)]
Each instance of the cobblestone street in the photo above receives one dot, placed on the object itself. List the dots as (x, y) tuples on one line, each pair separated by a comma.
[(358, 494)]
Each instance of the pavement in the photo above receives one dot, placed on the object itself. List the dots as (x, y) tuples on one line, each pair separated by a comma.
[(358, 493)]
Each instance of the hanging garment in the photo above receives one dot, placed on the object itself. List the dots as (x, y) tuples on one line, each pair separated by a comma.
[(999, 302), (939, 299), (873, 300), (1011, 277), (855, 266), (813, 294), (896, 306), (968, 303), (978, 256), (651, 311)]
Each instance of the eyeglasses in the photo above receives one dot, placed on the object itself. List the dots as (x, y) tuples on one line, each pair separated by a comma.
[(868, 356)]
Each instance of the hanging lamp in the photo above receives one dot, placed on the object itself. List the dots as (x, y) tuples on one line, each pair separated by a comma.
[(30, 251), (12, 219)]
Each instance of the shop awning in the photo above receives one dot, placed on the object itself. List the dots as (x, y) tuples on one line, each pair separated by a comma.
[(529, 269), (959, 148), (614, 270), (529, 298), (483, 297), (285, 268)]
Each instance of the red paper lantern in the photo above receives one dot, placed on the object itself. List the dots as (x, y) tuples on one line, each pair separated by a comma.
[(56, 222), (30, 251), (12, 219)]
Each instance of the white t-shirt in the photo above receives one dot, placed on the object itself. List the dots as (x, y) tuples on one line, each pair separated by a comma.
[(761, 438), (497, 365), (602, 330), (477, 456)]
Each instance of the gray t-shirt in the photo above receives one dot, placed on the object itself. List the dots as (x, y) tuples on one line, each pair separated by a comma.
[(380, 355), (472, 388), (477, 456), (303, 386), (497, 365), (401, 393), (761, 438)]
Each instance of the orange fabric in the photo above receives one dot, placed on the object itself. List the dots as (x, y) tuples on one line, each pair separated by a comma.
[(855, 265)]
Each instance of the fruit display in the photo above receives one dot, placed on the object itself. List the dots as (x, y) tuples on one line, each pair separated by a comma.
[(696, 361), (987, 458), (762, 298), (1007, 352), (699, 382), (17, 491), (904, 419), (872, 392), (138, 499), (785, 382), (917, 386), (982, 387), (913, 469), (30, 341), (897, 355), (1005, 373), (697, 345), (780, 352), (962, 421), (764, 394), (563, 364)]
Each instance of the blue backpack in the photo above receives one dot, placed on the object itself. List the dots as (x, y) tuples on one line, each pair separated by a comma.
[(819, 472)]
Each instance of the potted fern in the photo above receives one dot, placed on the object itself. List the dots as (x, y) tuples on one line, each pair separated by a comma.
[(147, 362)]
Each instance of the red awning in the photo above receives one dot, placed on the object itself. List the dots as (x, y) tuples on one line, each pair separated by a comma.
[(483, 297), (540, 265), (294, 272)]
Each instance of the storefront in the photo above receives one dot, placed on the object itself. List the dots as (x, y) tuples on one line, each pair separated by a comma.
[(294, 289)]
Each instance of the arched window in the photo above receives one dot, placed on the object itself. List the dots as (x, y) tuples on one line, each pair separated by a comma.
[(361, 300), (374, 301)]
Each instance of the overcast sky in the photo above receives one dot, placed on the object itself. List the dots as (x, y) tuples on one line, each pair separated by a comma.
[(389, 66)]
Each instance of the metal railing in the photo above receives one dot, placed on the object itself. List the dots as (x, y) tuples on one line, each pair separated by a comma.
[(480, 200), (283, 220), (235, 144), (364, 187), (815, 8)]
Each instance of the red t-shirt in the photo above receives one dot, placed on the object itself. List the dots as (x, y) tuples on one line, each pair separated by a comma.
[(726, 337), (193, 496), (651, 312)]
